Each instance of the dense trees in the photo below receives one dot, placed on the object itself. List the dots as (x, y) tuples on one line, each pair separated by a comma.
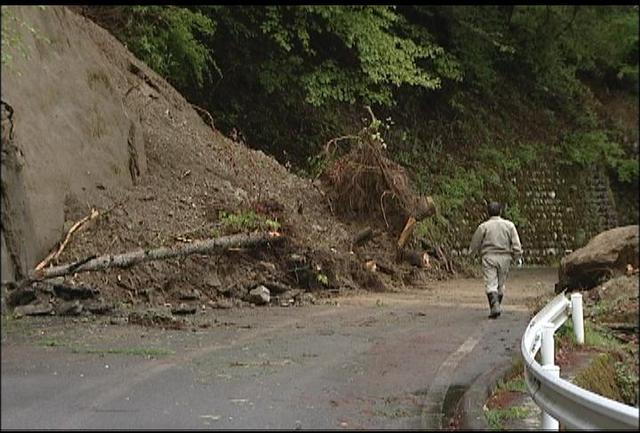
[(292, 77)]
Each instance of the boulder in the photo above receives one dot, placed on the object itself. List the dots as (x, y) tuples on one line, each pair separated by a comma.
[(259, 296), (606, 255)]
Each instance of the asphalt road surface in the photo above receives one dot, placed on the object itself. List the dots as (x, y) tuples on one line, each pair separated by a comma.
[(370, 361)]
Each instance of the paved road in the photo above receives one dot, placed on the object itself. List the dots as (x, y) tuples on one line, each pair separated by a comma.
[(374, 361)]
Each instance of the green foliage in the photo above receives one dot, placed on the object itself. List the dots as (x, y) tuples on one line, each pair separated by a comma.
[(290, 78), (322, 279), (589, 148), (627, 380), (496, 417), (247, 221), (170, 40), (12, 38), (513, 385)]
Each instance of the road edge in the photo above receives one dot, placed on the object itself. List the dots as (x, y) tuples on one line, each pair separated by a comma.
[(470, 407)]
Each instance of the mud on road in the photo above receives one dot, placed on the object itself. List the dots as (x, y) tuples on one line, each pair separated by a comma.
[(372, 360)]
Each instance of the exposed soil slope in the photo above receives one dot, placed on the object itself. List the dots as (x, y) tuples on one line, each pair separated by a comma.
[(179, 175)]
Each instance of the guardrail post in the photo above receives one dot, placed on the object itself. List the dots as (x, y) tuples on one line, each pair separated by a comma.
[(549, 422), (548, 348), (576, 317), (548, 364)]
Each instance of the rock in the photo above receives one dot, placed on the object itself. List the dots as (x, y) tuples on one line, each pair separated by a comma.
[(189, 295), (155, 317), (276, 287), (69, 308), (42, 309), (305, 298), (259, 296), (118, 321), (184, 309), (605, 255), (98, 307), (20, 296), (69, 293), (221, 303), (233, 291)]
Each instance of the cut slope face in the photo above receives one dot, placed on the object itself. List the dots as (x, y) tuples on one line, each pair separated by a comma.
[(93, 127)]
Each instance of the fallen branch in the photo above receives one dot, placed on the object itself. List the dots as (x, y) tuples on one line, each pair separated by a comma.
[(55, 254), (447, 265), (622, 327), (128, 259), (406, 233)]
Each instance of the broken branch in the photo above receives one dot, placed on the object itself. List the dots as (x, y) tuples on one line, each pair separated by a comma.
[(76, 226), (128, 259)]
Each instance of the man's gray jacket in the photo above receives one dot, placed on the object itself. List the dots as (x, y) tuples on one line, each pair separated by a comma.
[(496, 236)]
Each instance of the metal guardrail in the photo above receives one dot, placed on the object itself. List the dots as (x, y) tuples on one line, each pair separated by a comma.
[(560, 400)]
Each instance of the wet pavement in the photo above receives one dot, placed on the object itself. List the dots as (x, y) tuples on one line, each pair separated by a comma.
[(373, 361)]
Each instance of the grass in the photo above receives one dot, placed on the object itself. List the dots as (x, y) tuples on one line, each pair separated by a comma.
[(496, 417), (246, 221), (515, 385), (594, 336), (135, 351)]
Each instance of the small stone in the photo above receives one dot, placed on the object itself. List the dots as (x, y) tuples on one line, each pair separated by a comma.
[(42, 309), (184, 309), (69, 308)]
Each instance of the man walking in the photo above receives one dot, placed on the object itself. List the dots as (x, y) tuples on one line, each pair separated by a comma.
[(498, 242)]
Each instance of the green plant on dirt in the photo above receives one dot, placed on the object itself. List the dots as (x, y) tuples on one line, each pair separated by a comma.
[(600, 377), (12, 38), (99, 77), (322, 279), (627, 380), (497, 417), (135, 351), (515, 384), (75, 348), (246, 221), (594, 336)]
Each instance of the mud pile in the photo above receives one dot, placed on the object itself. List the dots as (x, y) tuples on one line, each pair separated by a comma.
[(157, 174)]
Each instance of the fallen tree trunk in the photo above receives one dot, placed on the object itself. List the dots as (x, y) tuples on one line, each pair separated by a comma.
[(128, 259)]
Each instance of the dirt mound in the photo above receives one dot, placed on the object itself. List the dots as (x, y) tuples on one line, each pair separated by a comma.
[(182, 180)]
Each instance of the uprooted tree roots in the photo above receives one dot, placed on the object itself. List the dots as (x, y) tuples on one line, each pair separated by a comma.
[(364, 181)]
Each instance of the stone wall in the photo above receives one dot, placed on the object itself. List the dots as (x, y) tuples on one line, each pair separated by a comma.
[(559, 210)]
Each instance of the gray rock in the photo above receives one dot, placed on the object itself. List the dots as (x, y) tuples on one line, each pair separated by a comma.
[(42, 309), (189, 295), (20, 296), (305, 298), (184, 309), (98, 307), (604, 256), (69, 308), (259, 296), (221, 303), (69, 293)]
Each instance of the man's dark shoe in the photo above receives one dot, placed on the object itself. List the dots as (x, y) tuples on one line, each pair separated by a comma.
[(494, 304)]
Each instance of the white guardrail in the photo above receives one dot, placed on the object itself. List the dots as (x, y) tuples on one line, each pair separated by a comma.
[(560, 400)]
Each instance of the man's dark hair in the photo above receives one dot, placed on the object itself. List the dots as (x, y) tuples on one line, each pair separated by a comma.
[(494, 209)]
